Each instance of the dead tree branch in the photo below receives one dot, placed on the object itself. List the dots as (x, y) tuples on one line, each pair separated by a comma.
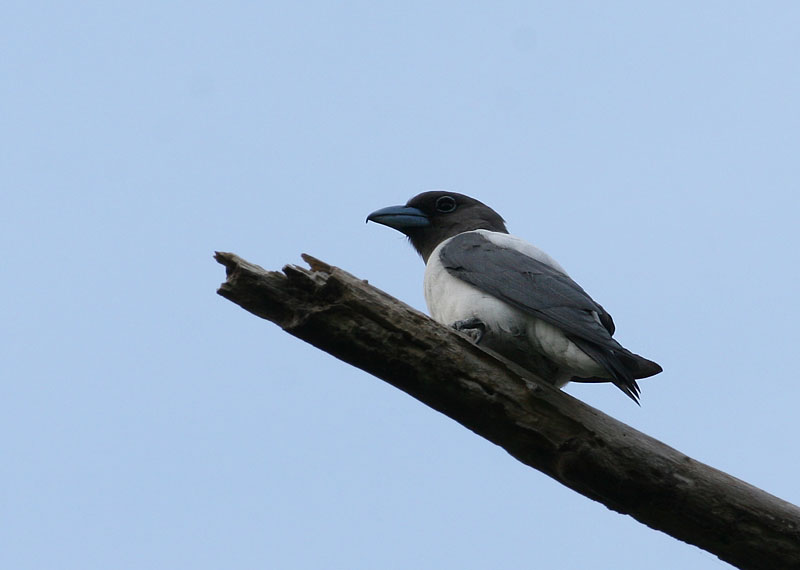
[(545, 428)]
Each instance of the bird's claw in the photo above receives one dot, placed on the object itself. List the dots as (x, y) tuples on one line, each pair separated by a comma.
[(473, 328)]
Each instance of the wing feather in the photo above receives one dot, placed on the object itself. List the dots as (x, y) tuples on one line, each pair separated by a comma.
[(527, 284), (547, 293)]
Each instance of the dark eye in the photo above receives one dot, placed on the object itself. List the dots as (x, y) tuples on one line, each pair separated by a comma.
[(445, 204)]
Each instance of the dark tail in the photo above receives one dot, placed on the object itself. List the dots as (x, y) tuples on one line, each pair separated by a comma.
[(644, 368), (623, 365)]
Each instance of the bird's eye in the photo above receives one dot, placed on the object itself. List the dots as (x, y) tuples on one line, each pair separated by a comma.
[(445, 204)]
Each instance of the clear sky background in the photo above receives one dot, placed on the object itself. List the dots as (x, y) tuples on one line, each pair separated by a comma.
[(145, 422)]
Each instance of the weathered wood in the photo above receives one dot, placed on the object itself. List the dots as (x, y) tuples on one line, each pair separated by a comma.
[(545, 428)]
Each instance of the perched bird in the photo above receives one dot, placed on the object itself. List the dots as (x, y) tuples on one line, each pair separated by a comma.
[(509, 295)]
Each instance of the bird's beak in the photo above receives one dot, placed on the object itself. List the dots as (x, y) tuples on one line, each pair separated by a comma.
[(400, 218)]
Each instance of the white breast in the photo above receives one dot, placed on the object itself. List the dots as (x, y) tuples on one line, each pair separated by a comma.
[(450, 299)]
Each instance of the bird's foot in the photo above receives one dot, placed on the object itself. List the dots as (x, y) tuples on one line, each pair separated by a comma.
[(473, 328)]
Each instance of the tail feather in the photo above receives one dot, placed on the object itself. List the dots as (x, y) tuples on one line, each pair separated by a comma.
[(623, 365), (645, 368)]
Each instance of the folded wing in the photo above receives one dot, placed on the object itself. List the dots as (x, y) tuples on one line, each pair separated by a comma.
[(547, 293)]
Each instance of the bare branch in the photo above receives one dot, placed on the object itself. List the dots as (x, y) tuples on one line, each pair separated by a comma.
[(545, 428)]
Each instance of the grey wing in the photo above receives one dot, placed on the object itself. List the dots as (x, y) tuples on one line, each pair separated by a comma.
[(550, 295), (529, 285)]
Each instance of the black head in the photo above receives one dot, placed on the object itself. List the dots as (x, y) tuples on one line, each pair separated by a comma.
[(432, 217)]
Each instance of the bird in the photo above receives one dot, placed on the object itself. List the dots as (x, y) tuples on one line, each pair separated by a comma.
[(510, 296)]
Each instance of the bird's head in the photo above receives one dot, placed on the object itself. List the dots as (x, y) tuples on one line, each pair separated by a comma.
[(432, 217)]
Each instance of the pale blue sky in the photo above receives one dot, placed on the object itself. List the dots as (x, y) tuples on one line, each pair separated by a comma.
[(145, 422)]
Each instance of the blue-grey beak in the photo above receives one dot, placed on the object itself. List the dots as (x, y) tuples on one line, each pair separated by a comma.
[(400, 217)]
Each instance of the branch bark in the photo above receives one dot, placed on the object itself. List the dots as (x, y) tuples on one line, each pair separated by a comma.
[(539, 425)]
